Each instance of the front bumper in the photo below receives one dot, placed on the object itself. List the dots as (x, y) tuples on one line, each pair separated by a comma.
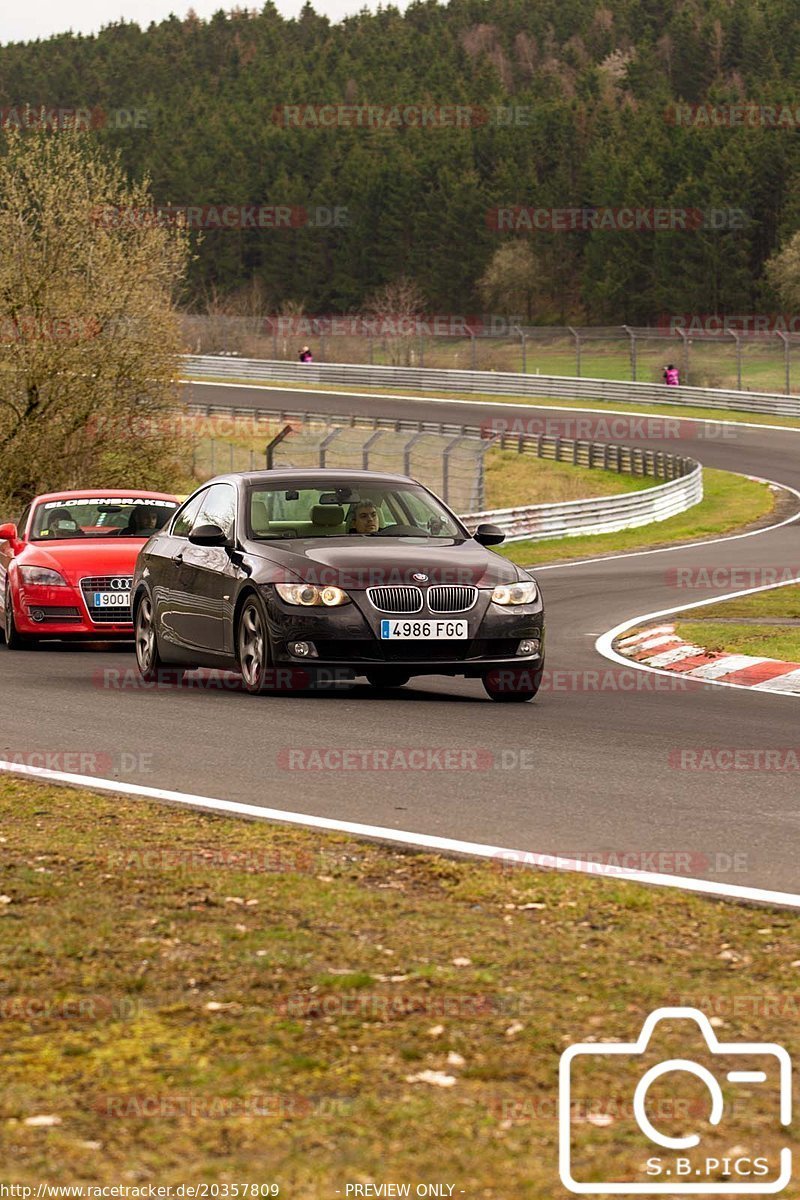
[(349, 637), (61, 612)]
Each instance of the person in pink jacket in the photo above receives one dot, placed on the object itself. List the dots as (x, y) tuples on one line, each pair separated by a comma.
[(671, 376)]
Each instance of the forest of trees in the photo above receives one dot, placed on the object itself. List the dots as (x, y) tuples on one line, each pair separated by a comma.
[(573, 107)]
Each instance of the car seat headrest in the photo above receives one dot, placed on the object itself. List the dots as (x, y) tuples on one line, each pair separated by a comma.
[(327, 514)]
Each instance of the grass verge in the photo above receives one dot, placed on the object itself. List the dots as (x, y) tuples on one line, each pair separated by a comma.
[(513, 479), (714, 626), (730, 502), (189, 998)]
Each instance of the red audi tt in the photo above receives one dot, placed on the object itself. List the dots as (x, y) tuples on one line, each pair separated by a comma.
[(66, 566)]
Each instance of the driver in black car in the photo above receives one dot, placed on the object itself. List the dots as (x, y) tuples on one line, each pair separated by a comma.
[(365, 518)]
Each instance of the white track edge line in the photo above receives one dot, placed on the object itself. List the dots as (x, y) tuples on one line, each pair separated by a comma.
[(426, 841), (377, 395), (728, 537), (604, 644)]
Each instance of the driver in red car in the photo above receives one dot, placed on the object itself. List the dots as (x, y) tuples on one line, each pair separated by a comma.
[(62, 524)]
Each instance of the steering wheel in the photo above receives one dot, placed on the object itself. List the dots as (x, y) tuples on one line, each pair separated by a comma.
[(402, 531)]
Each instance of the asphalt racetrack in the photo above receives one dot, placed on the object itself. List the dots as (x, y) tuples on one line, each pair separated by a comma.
[(598, 766)]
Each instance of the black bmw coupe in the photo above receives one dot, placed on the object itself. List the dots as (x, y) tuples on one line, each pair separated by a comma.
[(287, 575)]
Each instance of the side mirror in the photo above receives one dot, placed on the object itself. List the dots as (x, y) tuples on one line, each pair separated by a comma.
[(489, 535), (208, 535), (8, 533)]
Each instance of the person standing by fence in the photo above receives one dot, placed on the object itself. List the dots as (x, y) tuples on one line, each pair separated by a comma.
[(671, 376), (305, 355)]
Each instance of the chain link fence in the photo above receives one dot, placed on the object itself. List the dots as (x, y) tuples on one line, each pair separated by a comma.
[(446, 459), (767, 361), (451, 461)]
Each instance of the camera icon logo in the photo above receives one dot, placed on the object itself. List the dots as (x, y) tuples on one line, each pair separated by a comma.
[(722, 1090)]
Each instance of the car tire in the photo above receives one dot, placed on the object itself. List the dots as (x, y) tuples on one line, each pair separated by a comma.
[(148, 658), (13, 639), (387, 679), (253, 649), (517, 690)]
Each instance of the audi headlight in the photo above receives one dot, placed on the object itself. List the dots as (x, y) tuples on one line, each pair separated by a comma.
[(42, 575), (308, 595), (515, 593)]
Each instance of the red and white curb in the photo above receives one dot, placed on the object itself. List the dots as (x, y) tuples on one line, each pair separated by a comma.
[(660, 647)]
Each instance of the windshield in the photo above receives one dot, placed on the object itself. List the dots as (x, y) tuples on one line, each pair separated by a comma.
[(100, 517), (316, 510)]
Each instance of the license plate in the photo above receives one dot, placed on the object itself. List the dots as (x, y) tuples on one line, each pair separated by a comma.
[(424, 631), (112, 600)]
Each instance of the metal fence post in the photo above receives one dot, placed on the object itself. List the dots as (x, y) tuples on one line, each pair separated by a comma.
[(786, 360), (738, 341), (409, 446), (368, 444), (685, 338), (480, 498), (577, 337), (325, 443), (632, 336), (473, 359), (524, 351), (448, 450), (269, 449)]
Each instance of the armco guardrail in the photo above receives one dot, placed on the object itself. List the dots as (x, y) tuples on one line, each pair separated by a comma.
[(487, 383), (601, 514)]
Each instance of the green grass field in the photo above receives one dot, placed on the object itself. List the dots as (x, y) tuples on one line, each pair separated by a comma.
[(772, 640), (730, 502), (189, 998), (513, 479)]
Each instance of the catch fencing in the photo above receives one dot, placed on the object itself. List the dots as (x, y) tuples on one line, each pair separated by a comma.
[(487, 383), (451, 460), (750, 353)]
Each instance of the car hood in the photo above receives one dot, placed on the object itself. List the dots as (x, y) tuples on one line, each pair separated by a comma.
[(358, 563), (76, 560)]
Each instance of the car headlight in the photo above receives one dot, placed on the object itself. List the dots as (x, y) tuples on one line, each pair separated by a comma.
[(42, 575), (310, 596), (515, 593)]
